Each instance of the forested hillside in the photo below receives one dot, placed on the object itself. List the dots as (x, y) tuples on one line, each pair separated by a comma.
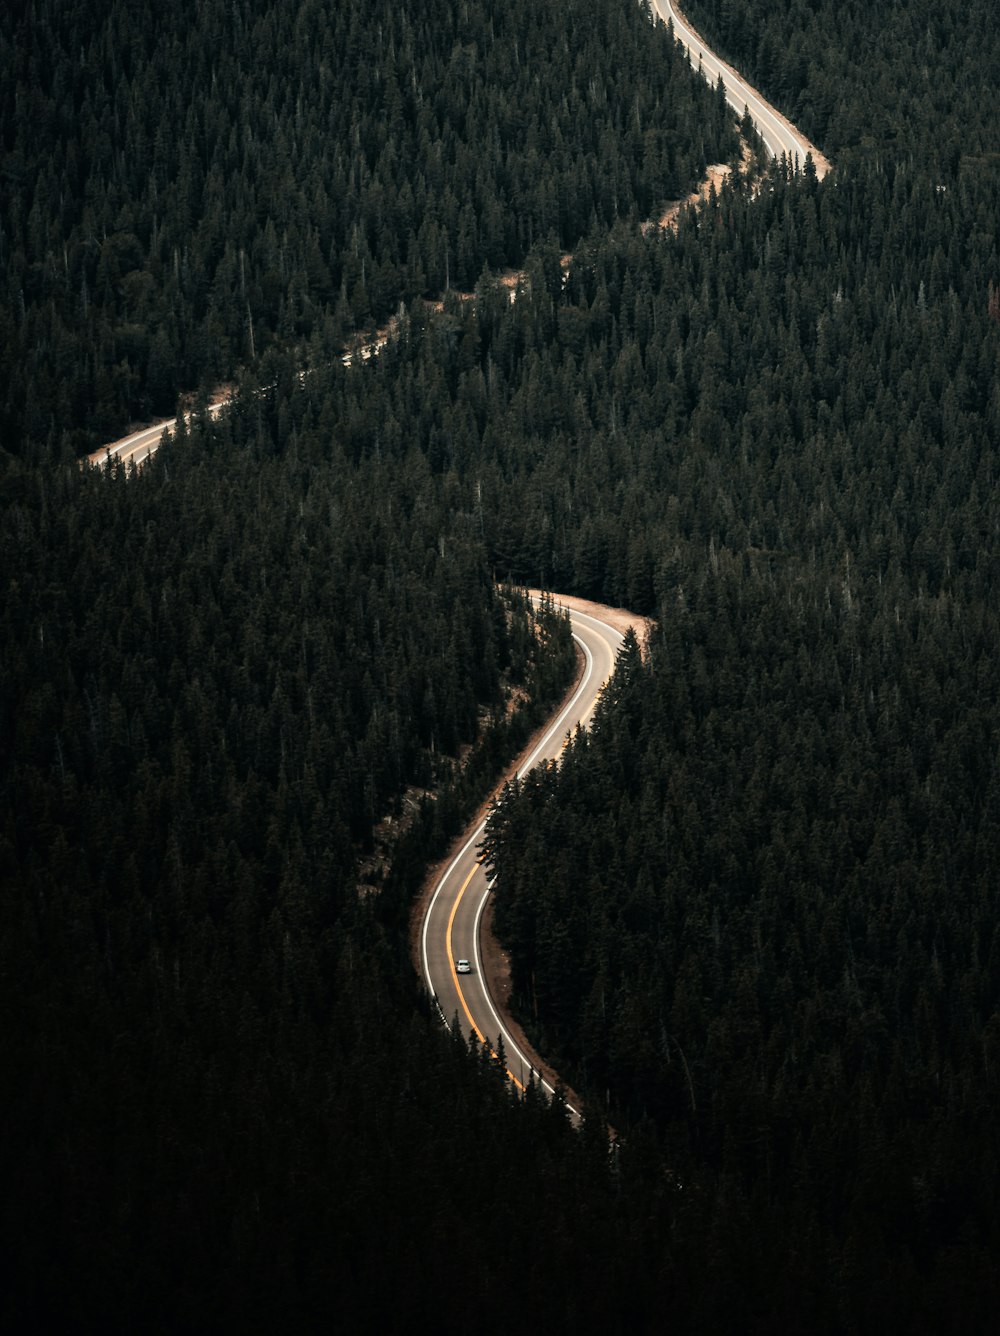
[(757, 910), (186, 183), (219, 676), (249, 693), (754, 916)]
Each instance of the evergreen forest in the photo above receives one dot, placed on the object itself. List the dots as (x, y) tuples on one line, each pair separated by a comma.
[(251, 691), (186, 184)]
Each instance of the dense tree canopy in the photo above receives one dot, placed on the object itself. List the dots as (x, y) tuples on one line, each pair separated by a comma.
[(753, 915), (758, 908), (222, 678), (249, 691), (187, 182)]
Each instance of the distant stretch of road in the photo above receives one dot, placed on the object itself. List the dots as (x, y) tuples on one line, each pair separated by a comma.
[(141, 444), (451, 929), (779, 136), (137, 448)]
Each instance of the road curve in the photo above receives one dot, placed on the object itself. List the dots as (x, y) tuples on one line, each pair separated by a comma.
[(779, 136), (451, 928)]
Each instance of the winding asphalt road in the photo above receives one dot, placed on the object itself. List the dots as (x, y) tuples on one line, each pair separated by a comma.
[(451, 929)]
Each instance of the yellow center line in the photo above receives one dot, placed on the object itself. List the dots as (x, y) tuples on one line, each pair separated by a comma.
[(454, 973)]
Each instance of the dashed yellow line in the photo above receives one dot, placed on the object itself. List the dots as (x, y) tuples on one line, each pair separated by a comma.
[(454, 972)]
